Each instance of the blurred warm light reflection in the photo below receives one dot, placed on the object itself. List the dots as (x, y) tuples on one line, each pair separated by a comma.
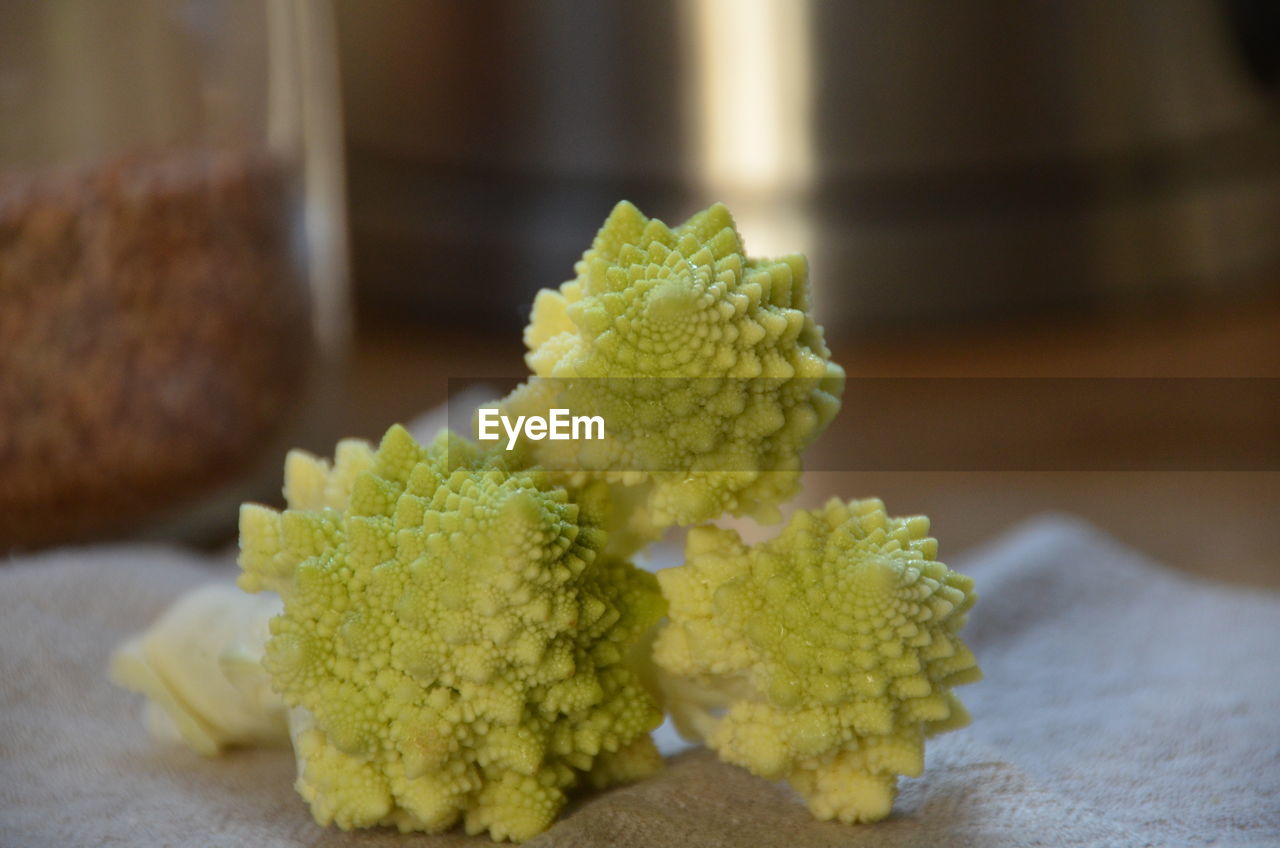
[(750, 114), (751, 91)]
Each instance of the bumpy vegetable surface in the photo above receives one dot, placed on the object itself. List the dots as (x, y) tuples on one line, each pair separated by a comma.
[(461, 636), (452, 641), (831, 650), (705, 364)]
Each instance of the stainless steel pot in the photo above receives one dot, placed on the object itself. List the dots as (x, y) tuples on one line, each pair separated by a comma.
[(934, 159)]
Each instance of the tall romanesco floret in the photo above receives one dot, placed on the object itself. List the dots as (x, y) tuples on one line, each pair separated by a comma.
[(824, 656), (453, 641), (705, 364)]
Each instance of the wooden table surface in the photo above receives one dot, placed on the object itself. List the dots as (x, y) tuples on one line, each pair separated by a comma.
[(1220, 524)]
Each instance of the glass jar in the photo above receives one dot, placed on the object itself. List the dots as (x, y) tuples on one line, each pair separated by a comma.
[(173, 306)]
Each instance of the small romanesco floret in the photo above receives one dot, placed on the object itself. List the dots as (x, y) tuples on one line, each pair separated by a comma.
[(824, 656), (453, 641), (705, 364)]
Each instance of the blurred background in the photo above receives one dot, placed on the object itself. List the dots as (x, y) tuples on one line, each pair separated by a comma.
[(231, 226)]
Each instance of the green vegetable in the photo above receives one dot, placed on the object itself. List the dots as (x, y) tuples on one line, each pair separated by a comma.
[(704, 363), (824, 656), (453, 639), (458, 632)]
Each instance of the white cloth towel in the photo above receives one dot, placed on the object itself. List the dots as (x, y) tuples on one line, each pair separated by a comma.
[(1124, 704)]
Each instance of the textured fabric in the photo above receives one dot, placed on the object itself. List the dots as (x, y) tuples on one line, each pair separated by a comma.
[(1123, 705)]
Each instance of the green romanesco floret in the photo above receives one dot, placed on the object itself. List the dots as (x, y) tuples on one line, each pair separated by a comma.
[(453, 643), (824, 656), (705, 365)]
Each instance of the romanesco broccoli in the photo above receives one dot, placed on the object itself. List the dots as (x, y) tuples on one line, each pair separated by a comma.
[(830, 651), (453, 641), (705, 364), (461, 636)]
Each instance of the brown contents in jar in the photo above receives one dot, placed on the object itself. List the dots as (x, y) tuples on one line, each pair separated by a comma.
[(153, 339)]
